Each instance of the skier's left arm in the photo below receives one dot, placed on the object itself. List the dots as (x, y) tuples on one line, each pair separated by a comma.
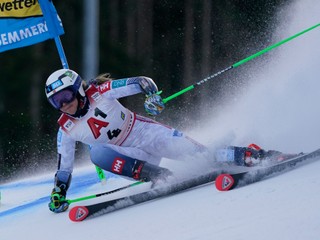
[(129, 86)]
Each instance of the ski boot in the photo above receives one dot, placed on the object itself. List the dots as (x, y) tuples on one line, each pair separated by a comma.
[(147, 172), (255, 154), (247, 156), (240, 156), (250, 156)]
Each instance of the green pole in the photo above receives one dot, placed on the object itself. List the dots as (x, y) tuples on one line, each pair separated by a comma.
[(178, 93), (239, 63), (274, 46), (104, 193), (101, 175)]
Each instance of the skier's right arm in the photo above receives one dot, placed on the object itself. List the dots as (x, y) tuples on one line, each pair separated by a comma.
[(62, 179)]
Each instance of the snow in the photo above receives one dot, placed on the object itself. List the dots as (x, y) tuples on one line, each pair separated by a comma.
[(283, 207)]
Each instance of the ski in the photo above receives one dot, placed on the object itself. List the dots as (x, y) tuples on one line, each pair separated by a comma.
[(224, 181), (80, 213), (229, 181)]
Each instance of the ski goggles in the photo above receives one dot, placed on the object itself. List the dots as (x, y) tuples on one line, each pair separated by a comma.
[(65, 96)]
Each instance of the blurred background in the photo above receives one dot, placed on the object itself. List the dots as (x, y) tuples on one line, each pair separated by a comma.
[(177, 43)]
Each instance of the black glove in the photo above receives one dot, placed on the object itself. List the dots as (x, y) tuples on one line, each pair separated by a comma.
[(58, 202)]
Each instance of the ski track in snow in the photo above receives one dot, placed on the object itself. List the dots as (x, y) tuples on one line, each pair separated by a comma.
[(279, 112)]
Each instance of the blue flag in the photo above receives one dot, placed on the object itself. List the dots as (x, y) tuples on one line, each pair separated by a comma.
[(27, 22)]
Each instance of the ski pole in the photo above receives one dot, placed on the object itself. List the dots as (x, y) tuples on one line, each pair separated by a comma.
[(103, 194), (237, 64)]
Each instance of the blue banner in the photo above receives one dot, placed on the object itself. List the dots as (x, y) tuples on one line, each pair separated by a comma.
[(26, 23)]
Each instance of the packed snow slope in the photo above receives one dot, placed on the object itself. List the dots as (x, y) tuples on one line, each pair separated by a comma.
[(284, 207), (279, 110)]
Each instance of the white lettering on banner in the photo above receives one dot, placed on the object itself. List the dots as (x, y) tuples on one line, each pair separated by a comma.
[(17, 36)]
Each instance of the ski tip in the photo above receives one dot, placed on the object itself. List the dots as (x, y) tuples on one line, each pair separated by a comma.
[(79, 213), (224, 182)]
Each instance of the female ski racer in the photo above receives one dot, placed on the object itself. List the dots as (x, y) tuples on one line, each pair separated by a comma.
[(120, 141)]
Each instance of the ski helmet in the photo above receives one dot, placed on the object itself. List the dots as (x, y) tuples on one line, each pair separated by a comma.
[(62, 86)]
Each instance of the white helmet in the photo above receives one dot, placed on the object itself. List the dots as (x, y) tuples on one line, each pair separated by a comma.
[(62, 86)]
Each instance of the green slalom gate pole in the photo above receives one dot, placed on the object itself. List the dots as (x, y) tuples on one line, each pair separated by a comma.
[(165, 100), (103, 194), (101, 175)]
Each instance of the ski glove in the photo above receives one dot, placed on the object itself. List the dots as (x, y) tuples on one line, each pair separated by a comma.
[(58, 202), (154, 104)]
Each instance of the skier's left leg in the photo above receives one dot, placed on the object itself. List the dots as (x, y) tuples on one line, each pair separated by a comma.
[(113, 161)]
